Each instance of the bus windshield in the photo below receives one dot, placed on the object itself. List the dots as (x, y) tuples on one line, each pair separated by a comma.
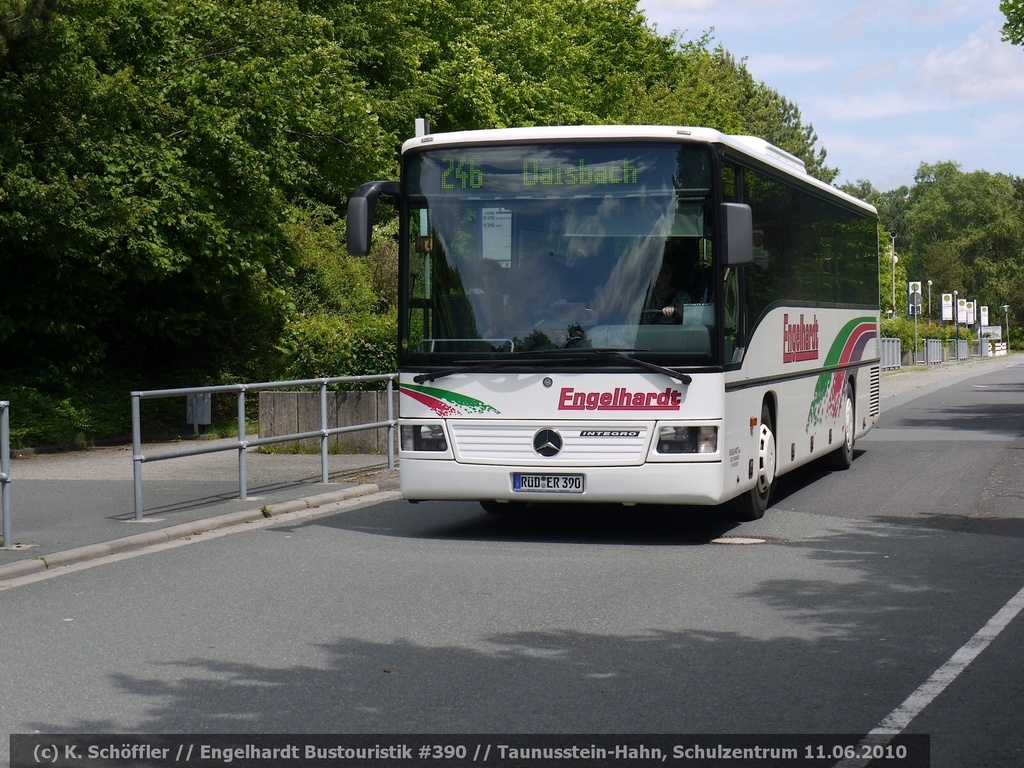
[(515, 249)]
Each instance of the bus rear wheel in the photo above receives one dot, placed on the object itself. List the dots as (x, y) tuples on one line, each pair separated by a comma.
[(753, 504), (842, 457)]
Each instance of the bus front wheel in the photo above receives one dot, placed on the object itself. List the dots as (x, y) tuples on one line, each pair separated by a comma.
[(753, 504)]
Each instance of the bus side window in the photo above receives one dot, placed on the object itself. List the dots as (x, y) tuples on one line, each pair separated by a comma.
[(732, 183), (731, 305)]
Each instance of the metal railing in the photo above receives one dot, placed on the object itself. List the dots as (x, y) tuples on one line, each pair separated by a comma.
[(5, 473), (242, 443), (959, 349), (932, 351), (892, 354)]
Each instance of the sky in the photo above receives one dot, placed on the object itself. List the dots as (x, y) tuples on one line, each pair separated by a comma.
[(886, 84)]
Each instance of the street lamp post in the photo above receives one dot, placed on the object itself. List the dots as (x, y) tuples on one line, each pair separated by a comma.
[(929, 301), (892, 254), (956, 327), (1006, 311)]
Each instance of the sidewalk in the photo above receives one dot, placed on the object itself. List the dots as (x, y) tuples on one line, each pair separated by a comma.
[(80, 505), (909, 382)]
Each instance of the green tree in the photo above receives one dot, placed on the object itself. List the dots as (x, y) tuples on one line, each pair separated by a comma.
[(567, 61), (966, 233), (862, 190), (699, 87), (150, 153), (172, 173), (20, 19), (1013, 29), (386, 44), (892, 295), (471, 64)]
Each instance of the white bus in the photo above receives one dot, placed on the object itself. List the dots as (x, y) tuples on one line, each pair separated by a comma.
[(624, 314)]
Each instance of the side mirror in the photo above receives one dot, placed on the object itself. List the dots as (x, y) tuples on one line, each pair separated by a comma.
[(738, 224), (362, 208)]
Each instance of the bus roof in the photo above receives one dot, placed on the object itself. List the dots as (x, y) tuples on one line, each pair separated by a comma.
[(747, 146)]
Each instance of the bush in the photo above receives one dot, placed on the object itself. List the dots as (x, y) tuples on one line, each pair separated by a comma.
[(343, 320), (40, 419), (903, 329), (328, 345)]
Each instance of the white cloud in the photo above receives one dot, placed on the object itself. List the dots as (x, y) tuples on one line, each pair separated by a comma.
[(886, 84), (889, 164), (777, 64), (869, 75), (993, 125), (875, 105), (743, 19), (663, 8), (982, 69), (931, 15)]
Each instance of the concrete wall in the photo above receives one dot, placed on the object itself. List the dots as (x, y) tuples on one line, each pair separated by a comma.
[(288, 413)]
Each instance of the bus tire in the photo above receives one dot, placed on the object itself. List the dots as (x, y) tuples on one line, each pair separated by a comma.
[(754, 503), (842, 457)]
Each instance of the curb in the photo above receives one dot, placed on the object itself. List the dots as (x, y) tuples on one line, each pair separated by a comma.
[(179, 531)]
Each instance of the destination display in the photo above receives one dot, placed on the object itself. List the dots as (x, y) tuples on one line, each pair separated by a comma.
[(461, 172), (551, 169)]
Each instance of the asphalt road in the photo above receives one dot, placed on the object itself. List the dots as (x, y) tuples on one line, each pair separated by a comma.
[(881, 597)]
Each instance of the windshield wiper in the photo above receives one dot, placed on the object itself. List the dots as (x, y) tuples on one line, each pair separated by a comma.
[(478, 365), (578, 354), (625, 356)]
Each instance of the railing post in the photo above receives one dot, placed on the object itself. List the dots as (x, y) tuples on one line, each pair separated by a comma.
[(391, 424), (324, 474), (242, 479), (137, 453), (5, 470)]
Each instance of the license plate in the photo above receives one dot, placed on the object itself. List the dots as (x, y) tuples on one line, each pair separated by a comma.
[(546, 483)]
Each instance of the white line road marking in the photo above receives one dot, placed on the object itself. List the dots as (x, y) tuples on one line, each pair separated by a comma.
[(900, 717), (897, 720)]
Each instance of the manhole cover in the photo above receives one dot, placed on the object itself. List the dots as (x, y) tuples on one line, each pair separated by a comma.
[(745, 540)]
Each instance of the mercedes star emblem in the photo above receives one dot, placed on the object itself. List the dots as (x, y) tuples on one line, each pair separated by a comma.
[(547, 443)]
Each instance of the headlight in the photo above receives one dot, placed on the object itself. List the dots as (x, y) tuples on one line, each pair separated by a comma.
[(688, 440), (423, 437)]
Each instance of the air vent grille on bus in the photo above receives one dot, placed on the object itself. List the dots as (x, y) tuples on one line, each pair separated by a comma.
[(876, 390)]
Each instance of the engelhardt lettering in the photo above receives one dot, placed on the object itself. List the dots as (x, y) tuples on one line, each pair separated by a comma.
[(248, 752), (619, 399), (799, 340)]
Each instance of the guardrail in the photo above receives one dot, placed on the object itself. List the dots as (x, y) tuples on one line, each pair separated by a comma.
[(242, 442), (5, 473)]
